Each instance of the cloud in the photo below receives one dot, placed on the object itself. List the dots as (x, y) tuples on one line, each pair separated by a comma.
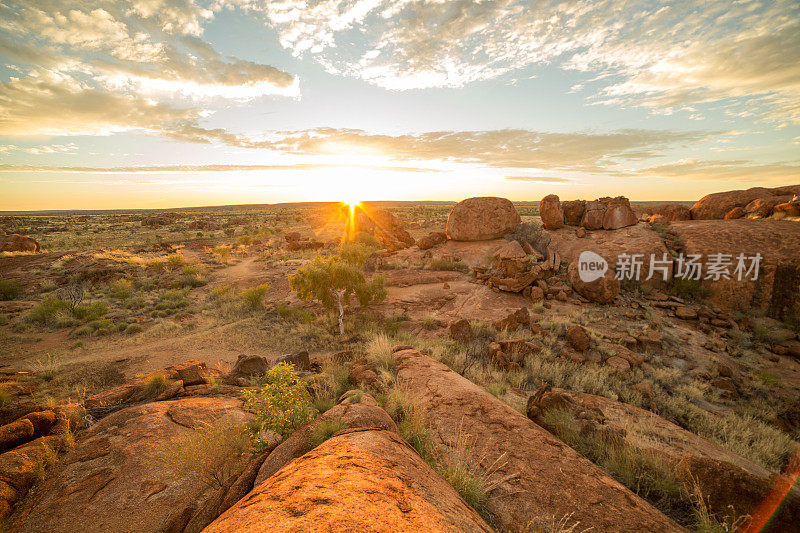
[(99, 67), (739, 170), (662, 57), (539, 179), (583, 151), (163, 169)]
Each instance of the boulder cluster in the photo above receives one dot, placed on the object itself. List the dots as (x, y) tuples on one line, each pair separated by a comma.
[(604, 213), (757, 202)]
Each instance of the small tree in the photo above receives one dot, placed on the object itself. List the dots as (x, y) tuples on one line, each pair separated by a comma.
[(333, 280)]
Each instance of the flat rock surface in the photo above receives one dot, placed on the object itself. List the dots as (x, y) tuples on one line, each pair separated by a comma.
[(109, 482)]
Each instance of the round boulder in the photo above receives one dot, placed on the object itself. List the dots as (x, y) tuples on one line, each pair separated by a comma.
[(551, 212), (481, 219), (18, 243)]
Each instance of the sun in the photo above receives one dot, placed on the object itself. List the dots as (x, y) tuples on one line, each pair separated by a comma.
[(352, 204)]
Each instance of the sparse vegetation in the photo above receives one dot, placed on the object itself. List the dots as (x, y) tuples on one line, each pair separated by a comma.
[(10, 289), (323, 431)]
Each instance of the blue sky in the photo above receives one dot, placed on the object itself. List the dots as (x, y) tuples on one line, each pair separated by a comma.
[(165, 103)]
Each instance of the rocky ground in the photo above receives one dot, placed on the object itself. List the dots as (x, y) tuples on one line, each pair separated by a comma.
[(492, 388)]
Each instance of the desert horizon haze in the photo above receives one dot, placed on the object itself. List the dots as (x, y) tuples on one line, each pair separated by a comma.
[(162, 103)]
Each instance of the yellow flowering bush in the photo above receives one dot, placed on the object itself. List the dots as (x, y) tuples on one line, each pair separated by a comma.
[(281, 405)]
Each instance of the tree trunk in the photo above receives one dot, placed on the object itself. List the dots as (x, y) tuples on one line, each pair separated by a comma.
[(339, 299)]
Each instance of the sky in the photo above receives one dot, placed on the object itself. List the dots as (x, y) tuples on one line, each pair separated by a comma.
[(173, 103)]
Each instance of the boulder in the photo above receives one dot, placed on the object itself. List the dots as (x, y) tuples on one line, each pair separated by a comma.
[(790, 209), (573, 212), (776, 291), (671, 212), (511, 259), (300, 360), (733, 214), (18, 243), (536, 474), (191, 372), (602, 290), (550, 212), (248, 366), (461, 331), (15, 433), (593, 215), (481, 218), (386, 227), (110, 479), (764, 207), (726, 486), (618, 213), (368, 480), (578, 338), (520, 317), (717, 205), (353, 416), (431, 240)]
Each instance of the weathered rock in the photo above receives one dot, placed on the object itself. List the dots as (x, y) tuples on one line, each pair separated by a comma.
[(776, 291), (593, 215), (685, 313), (602, 290), (42, 421), (191, 372), (300, 360), (108, 479), (573, 211), (671, 212), (481, 218), (733, 214), (716, 205), (791, 209), (618, 213), (619, 364), (248, 366), (580, 233), (15, 433), (536, 473), (386, 227), (726, 486), (431, 240), (578, 338), (352, 415), (520, 317), (551, 213), (18, 243), (764, 207), (358, 481), (461, 331), (172, 390), (511, 259)]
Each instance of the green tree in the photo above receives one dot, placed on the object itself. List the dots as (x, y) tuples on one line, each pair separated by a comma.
[(333, 280)]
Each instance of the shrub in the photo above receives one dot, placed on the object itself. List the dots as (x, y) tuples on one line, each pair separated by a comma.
[(323, 431), (690, 288), (133, 328), (44, 312), (332, 281), (253, 298), (447, 264), (91, 312), (245, 240), (155, 384), (47, 368), (379, 351), (9, 289), (281, 405), (120, 289)]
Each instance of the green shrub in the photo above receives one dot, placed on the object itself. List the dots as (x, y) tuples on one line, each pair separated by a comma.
[(9, 289), (91, 312), (133, 328), (323, 431), (155, 384), (44, 312), (281, 405), (120, 289), (253, 298), (690, 288)]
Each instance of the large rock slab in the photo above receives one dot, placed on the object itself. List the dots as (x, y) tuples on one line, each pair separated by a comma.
[(366, 480), (481, 218), (109, 482), (717, 205), (538, 475), (671, 212), (778, 241)]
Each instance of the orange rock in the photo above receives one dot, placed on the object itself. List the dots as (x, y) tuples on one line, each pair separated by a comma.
[(481, 218), (358, 481), (551, 213)]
